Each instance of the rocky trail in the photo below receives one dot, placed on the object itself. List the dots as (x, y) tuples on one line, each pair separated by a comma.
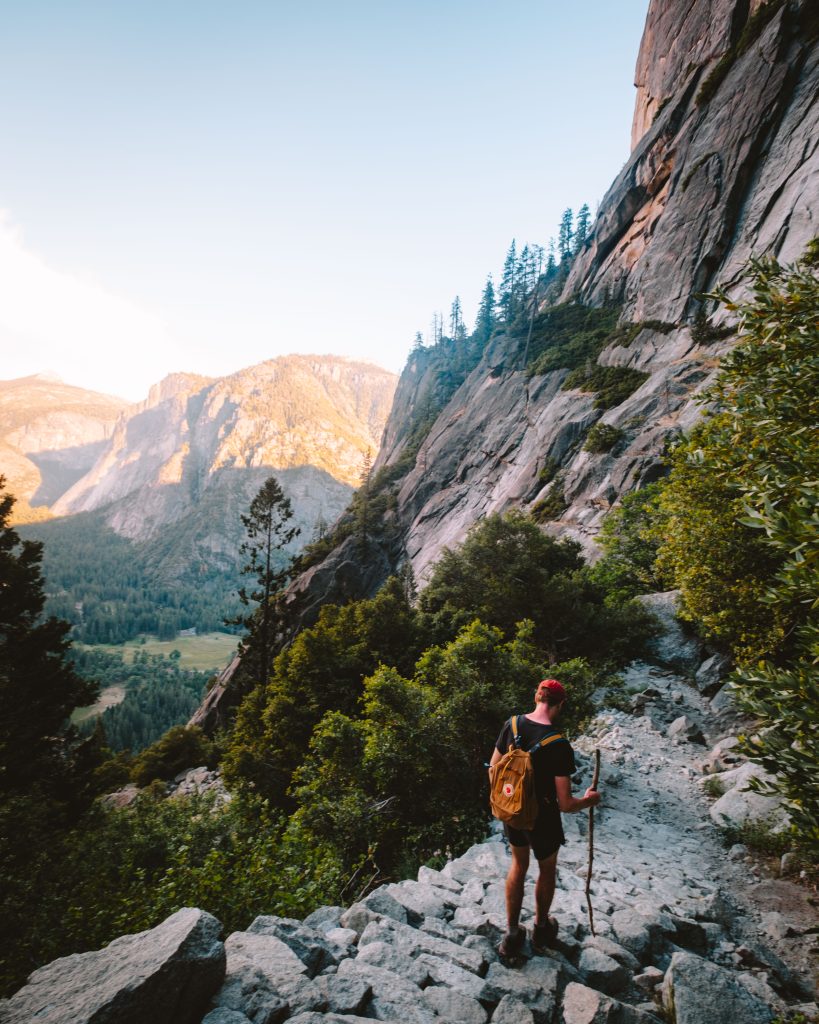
[(688, 930)]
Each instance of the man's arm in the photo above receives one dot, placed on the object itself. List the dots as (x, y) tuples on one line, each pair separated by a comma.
[(570, 804), (496, 756)]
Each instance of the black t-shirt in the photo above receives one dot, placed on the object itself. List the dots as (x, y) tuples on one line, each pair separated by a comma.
[(556, 758)]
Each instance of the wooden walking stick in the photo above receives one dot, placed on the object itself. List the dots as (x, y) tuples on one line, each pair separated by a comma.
[(591, 841)]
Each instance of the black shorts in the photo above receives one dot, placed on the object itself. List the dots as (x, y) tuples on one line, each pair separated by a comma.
[(545, 838)]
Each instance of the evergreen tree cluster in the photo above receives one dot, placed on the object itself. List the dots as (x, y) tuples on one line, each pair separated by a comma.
[(158, 694), (105, 586)]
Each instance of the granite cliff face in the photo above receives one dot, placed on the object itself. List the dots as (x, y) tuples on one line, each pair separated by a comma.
[(51, 434), (309, 418), (725, 165)]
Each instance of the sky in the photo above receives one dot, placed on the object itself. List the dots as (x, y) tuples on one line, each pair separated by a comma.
[(200, 186)]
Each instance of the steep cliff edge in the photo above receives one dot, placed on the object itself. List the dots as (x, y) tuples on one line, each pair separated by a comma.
[(725, 166)]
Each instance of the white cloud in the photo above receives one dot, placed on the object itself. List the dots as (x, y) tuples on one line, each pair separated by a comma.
[(54, 320)]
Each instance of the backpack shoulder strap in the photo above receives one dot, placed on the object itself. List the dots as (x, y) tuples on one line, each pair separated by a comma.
[(515, 734), (551, 738)]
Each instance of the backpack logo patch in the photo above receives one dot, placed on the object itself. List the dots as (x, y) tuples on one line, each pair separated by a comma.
[(508, 789)]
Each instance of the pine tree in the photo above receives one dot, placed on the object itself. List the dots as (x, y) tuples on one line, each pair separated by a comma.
[(457, 330), (38, 686), (581, 231), (564, 238), (551, 261), (363, 502), (508, 280), (268, 533), (418, 342), (485, 320)]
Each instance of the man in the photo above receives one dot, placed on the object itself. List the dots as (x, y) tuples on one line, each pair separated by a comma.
[(553, 766)]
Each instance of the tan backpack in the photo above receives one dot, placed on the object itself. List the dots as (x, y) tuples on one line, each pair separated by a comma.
[(512, 782)]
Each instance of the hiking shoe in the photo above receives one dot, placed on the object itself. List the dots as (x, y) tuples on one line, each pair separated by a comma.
[(544, 935), (512, 943)]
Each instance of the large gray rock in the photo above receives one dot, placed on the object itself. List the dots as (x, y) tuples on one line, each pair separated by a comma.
[(613, 950), (443, 972), (382, 954), (324, 919), (739, 804), (265, 979), (454, 1006), (381, 901), (674, 647), (420, 900), (222, 1015), (344, 994), (413, 941), (248, 991), (512, 1011), (696, 991), (584, 1005), (602, 972), (685, 728), (310, 946), (635, 932), (711, 673), (166, 975)]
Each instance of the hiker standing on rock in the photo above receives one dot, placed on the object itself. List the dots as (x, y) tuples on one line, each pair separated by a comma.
[(553, 765)]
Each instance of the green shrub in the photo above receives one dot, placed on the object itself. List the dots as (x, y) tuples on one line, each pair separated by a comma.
[(548, 471), (565, 336), (629, 542), (612, 384), (737, 527), (181, 747), (602, 438), (625, 334), (760, 836), (713, 787), (553, 505), (122, 871)]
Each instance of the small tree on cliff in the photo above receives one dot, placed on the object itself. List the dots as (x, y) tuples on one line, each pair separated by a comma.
[(268, 532)]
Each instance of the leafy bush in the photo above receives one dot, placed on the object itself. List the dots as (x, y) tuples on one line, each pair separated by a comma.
[(625, 334), (612, 384), (508, 570), (126, 870), (565, 336), (713, 787), (431, 734), (629, 542), (738, 527), (181, 747), (602, 438), (758, 835), (553, 505), (548, 471)]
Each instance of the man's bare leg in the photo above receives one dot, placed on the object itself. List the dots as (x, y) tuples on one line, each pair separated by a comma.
[(514, 886), (545, 888)]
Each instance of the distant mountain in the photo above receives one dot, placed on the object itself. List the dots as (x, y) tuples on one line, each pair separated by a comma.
[(197, 444), (51, 434), (147, 538)]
